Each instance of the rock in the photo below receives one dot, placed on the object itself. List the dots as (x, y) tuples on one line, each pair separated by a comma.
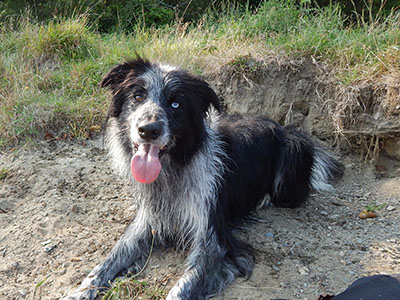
[(75, 208), (304, 270), (391, 208), (276, 268), (6, 206), (23, 293), (324, 212), (50, 248), (46, 242), (76, 259), (334, 217), (269, 235)]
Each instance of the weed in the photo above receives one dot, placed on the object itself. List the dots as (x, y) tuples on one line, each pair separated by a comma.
[(127, 288), (3, 174), (131, 288), (373, 207)]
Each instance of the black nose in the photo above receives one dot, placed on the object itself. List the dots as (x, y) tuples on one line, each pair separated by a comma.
[(150, 131)]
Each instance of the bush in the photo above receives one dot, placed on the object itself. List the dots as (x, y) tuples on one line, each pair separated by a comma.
[(69, 39)]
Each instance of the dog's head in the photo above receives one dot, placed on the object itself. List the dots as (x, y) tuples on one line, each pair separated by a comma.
[(159, 109)]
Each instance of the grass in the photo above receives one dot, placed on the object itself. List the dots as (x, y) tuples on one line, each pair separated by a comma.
[(49, 73), (3, 174), (126, 289)]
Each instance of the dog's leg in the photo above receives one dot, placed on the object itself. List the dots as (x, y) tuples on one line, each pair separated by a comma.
[(211, 267), (130, 251)]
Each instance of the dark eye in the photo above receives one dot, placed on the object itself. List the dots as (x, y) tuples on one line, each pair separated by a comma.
[(175, 105), (139, 97)]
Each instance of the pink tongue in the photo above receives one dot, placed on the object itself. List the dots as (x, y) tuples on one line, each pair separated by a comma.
[(145, 164)]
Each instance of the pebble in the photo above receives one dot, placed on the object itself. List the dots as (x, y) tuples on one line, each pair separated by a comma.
[(48, 249), (46, 242), (75, 208), (23, 292), (75, 259), (304, 271), (324, 212), (334, 217), (269, 235), (276, 268), (391, 208)]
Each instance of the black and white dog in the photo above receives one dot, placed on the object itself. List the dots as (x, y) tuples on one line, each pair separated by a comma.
[(195, 174)]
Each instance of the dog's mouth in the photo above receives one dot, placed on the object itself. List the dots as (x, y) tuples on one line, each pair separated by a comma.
[(145, 163), (162, 150)]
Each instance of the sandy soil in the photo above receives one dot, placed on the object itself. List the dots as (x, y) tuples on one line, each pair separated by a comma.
[(62, 209)]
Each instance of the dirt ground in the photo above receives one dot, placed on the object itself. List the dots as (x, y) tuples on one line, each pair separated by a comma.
[(62, 209)]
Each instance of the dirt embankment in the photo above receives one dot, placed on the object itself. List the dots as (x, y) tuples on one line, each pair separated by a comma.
[(62, 209)]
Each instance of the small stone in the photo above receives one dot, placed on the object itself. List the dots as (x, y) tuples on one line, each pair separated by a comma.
[(269, 235), (391, 208), (334, 217), (46, 242), (304, 271), (349, 166), (23, 292), (62, 272), (50, 248), (75, 208), (276, 268), (324, 212), (75, 259)]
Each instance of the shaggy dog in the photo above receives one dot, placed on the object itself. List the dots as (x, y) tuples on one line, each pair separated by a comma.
[(195, 174)]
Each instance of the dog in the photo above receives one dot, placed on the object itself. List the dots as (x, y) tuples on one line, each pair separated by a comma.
[(196, 174)]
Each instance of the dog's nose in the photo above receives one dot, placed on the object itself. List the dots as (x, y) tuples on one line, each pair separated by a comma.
[(150, 131)]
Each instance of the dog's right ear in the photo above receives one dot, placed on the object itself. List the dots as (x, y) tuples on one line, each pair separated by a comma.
[(119, 73), (116, 76)]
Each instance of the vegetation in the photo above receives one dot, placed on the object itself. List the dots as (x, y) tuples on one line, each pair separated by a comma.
[(50, 70), (3, 174)]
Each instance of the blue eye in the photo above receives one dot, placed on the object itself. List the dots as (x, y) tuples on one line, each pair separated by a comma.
[(175, 105)]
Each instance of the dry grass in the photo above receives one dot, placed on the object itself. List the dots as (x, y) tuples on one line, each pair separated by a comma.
[(50, 72)]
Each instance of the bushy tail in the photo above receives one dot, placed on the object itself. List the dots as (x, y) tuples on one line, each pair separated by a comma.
[(325, 170)]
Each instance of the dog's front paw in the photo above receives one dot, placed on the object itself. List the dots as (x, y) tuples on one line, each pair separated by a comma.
[(178, 292), (81, 295)]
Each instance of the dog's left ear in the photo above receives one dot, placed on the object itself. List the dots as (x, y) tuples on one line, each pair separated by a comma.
[(208, 96)]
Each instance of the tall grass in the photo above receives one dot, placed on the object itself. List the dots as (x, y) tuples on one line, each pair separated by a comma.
[(50, 72)]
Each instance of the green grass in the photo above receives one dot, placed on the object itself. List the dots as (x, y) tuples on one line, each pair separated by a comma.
[(50, 73), (3, 174), (126, 289)]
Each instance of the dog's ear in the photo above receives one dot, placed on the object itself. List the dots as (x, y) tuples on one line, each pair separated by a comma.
[(208, 95), (116, 76), (119, 73)]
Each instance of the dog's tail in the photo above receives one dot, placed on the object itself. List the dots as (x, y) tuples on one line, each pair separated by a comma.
[(325, 170)]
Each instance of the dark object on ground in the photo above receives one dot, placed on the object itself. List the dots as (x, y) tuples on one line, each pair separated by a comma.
[(384, 287)]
